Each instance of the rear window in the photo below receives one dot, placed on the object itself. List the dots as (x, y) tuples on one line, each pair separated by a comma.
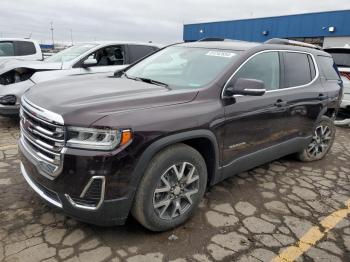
[(298, 69), (25, 48), (328, 67), (341, 57), (7, 49)]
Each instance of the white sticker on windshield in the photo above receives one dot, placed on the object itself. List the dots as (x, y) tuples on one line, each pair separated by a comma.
[(220, 54)]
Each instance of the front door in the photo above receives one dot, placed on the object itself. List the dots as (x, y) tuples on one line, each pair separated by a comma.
[(254, 123)]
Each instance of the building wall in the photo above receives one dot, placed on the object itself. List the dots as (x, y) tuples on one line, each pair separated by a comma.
[(336, 41), (304, 25)]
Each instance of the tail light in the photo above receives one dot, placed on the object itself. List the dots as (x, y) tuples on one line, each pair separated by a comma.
[(346, 74)]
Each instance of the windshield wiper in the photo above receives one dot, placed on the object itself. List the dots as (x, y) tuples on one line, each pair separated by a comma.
[(147, 80)]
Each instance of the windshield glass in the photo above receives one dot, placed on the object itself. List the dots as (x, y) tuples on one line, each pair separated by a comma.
[(70, 53), (341, 57), (7, 49), (183, 67)]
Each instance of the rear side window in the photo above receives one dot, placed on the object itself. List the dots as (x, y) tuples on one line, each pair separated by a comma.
[(264, 67), (139, 51), (328, 67), (299, 69), (7, 49), (341, 56), (25, 48)]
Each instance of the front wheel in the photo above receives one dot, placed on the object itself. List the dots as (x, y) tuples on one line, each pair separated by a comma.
[(321, 142), (171, 188)]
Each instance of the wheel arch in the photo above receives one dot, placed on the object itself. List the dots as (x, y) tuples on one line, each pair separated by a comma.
[(198, 139)]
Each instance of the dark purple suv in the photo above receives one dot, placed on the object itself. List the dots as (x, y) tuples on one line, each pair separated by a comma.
[(151, 139)]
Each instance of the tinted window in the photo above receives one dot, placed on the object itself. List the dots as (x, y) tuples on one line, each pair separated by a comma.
[(139, 51), (341, 56), (7, 49), (296, 69), (328, 67), (264, 67), (25, 48)]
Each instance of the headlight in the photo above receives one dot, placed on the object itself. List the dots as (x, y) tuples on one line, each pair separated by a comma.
[(98, 139)]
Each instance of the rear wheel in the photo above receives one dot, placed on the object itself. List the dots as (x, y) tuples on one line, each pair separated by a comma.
[(322, 141), (171, 189)]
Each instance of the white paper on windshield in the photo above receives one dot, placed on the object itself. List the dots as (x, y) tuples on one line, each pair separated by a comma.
[(220, 54)]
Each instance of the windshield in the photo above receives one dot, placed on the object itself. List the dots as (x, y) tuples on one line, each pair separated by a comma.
[(7, 49), (341, 57), (70, 53), (183, 67)]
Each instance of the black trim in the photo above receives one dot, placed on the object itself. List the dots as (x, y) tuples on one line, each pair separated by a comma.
[(265, 155)]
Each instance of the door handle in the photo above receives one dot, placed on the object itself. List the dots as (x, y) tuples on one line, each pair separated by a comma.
[(281, 103)]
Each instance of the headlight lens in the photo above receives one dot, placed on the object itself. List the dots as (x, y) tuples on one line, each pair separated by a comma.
[(98, 139)]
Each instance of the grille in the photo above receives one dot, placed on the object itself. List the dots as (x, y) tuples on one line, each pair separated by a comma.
[(43, 137)]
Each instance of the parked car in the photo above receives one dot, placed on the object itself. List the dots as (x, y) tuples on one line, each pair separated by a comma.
[(150, 140), (16, 48), (341, 56), (89, 58)]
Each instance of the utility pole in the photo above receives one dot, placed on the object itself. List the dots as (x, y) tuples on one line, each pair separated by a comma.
[(71, 36), (51, 28)]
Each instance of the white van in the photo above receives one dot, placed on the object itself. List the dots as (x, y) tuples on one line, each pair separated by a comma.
[(16, 48)]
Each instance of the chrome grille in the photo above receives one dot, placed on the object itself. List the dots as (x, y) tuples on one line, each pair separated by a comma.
[(43, 137)]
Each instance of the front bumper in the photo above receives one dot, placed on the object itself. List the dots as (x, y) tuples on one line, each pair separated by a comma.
[(9, 110), (61, 192), (345, 104)]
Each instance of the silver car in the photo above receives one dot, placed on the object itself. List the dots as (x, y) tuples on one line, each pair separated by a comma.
[(89, 58)]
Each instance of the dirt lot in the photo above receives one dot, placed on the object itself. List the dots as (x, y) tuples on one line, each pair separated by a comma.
[(284, 210)]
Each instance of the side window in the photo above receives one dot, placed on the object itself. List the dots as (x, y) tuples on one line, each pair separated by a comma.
[(328, 67), (7, 49), (139, 51), (264, 67), (109, 56), (297, 70), (25, 48)]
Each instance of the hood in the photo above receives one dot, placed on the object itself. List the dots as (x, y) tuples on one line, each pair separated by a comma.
[(84, 99), (10, 64)]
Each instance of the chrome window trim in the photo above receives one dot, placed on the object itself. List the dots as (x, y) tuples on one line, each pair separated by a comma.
[(280, 89), (44, 114), (37, 189), (83, 193)]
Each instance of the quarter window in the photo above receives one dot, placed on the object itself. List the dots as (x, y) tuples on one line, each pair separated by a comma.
[(329, 68), (264, 67), (297, 69)]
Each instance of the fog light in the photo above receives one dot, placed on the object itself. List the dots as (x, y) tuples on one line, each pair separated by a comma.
[(8, 100)]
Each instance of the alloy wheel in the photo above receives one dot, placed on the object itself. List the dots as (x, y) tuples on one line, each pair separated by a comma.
[(174, 193), (320, 141)]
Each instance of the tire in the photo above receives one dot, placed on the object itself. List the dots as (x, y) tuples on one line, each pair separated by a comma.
[(155, 211), (324, 134)]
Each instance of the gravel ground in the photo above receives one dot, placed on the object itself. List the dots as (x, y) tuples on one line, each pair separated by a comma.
[(251, 217)]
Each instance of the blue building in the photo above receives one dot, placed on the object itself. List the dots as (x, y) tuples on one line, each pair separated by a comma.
[(324, 28)]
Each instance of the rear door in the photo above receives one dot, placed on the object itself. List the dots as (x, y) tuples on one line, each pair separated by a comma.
[(302, 92)]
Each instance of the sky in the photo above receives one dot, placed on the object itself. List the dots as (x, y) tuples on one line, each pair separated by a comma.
[(159, 21)]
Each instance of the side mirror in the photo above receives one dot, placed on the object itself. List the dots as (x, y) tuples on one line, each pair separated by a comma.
[(246, 87), (90, 62)]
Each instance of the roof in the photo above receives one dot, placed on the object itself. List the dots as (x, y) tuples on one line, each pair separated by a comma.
[(232, 45), (18, 39), (121, 43)]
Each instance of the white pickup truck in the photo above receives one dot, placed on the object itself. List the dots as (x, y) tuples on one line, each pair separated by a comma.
[(17, 48)]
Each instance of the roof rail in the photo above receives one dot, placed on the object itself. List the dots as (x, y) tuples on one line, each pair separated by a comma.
[(281, 41), (211, 39)]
